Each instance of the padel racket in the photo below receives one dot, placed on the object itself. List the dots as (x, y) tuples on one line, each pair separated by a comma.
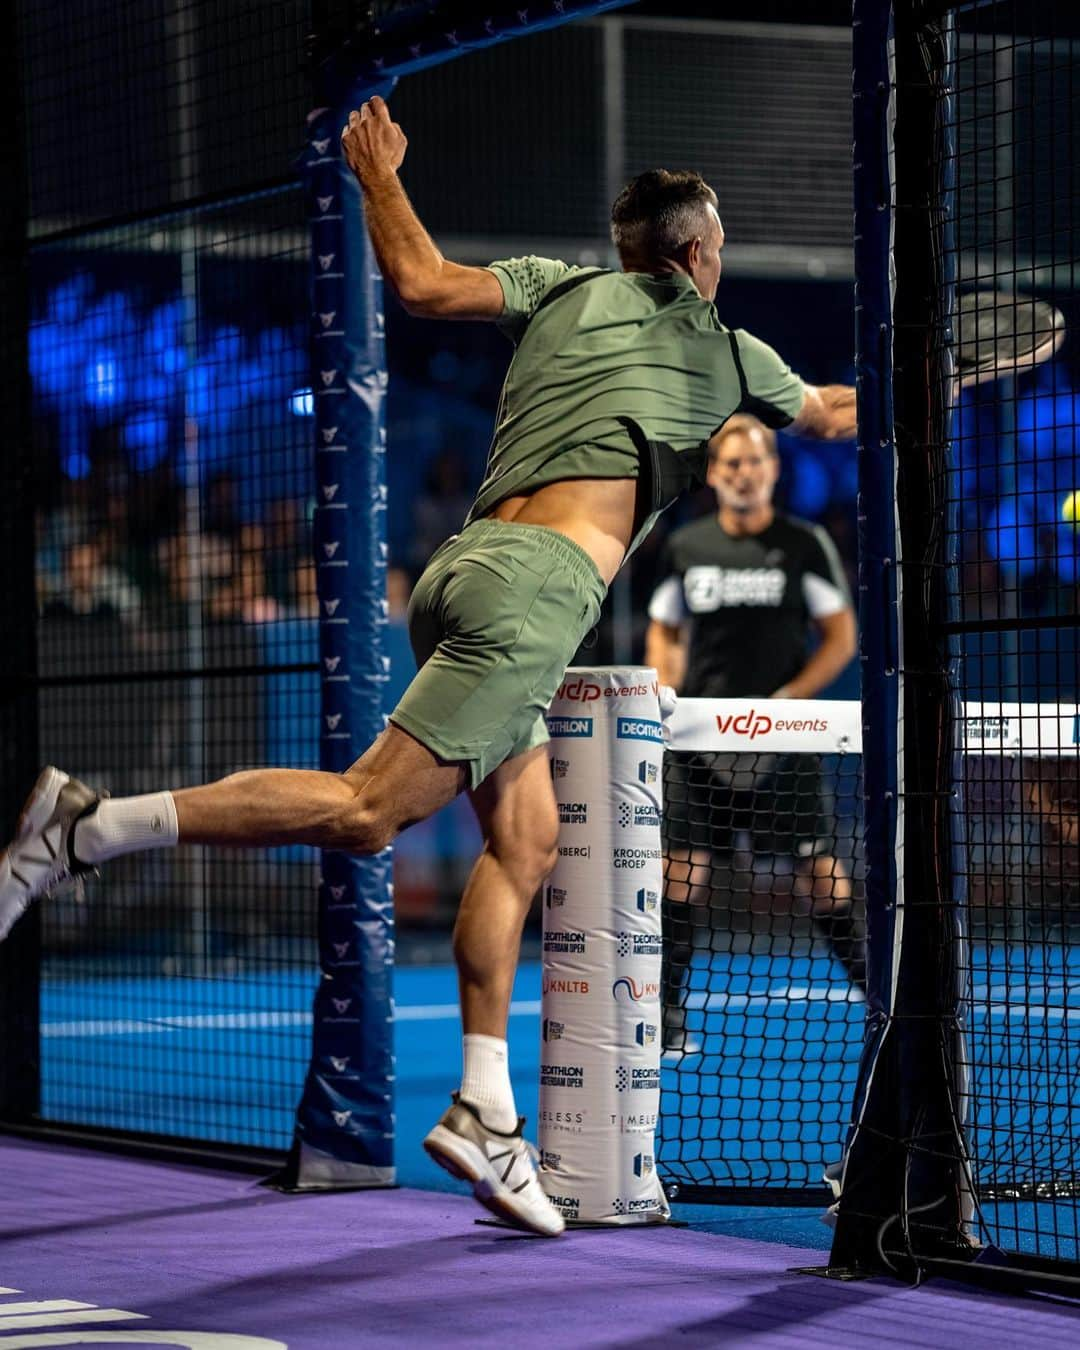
[(1001, 333)]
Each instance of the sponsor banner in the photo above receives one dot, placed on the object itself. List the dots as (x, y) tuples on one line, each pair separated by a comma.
[(828, 726), (600, 1052), (1020, 728), (816, 726)]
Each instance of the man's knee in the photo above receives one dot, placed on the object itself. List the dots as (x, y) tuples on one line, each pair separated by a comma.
[(539, 854), (365, 828)]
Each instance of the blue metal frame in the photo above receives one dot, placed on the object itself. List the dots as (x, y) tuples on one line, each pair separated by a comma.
[(344, 1129)]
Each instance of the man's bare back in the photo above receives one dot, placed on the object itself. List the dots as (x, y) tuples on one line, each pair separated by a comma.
[(596, 513)]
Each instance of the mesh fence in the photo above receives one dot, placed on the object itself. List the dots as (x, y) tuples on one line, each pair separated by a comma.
[(176, 635), (1011, 512), (764, 976)]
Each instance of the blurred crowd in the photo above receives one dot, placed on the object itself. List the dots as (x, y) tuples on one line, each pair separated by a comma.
[(136, 549)]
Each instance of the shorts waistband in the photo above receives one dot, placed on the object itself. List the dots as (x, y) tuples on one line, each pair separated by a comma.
[(551, 541)]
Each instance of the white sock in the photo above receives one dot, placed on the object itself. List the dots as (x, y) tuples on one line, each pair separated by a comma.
[(485, 1081), (126, 825)]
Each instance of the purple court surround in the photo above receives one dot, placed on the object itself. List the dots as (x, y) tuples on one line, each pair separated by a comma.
[(195, 1251)]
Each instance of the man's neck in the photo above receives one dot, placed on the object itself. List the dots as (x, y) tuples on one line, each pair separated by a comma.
[(746, 522)]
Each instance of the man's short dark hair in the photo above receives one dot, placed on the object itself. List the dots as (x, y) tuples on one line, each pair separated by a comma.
[(658, 212)]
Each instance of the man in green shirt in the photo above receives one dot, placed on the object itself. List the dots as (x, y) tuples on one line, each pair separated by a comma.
[(614, 376)]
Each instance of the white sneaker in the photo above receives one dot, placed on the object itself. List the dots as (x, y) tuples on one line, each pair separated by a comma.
[(501, 1168), (39, 859)]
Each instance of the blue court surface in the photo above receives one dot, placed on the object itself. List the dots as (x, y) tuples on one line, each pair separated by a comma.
[(224, 1059)]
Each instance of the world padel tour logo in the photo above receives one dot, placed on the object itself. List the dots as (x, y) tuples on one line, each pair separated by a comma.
[(552, 1030), (638, 729), (645, 1033), (560, 768), (554, 898), (570, 726), (647, 772), (628, 990), (648, 901)]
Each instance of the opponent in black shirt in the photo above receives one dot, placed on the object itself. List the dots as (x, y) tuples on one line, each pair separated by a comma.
[(741, 593)]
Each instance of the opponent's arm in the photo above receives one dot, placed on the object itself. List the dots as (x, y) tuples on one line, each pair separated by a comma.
[(665, 650), (425, 282), (827, 413), (835, 650)]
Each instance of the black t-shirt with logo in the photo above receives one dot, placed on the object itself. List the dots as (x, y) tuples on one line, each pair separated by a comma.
[(749, 600)]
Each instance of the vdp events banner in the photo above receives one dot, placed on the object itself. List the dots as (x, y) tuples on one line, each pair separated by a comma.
[(600, 1051)]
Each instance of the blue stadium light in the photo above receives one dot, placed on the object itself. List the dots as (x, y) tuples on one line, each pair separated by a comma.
[(75, 465), (1048, 424), (1067, 554), (227, 348), (55, 357), (146, 436), (111, 319), (164, 338), (104, 381), (66, 301), (199, 391), (302, 403), (1012, 537), (810, 488)]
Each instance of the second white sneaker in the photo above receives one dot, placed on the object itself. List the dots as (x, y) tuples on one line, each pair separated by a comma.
[(501, 1168), (39, 859)]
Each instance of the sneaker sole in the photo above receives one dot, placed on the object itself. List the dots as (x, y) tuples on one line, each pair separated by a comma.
[(35, 814), (464, 1161), (41, 803)]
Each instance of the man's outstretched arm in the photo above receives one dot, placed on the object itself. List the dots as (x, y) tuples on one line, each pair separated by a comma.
[(425, 282), (828, 413)]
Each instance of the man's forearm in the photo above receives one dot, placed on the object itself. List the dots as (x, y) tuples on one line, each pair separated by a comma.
[(668, 659), (407, 255), (821, 669)]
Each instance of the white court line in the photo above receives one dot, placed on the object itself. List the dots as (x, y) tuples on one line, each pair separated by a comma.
[(246, 1021), (442, 1012)]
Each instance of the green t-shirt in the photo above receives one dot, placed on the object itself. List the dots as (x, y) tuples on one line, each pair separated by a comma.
[(620, 345)]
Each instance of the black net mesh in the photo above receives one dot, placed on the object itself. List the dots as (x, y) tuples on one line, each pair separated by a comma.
[(1011, 514), (764, 969), (175, 590)]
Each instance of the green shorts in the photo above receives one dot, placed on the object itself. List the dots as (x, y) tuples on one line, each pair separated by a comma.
[(494, 621)]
